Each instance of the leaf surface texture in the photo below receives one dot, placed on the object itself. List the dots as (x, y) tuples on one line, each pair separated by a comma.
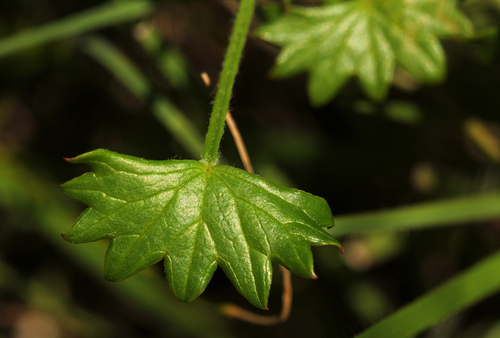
[(196, 217)]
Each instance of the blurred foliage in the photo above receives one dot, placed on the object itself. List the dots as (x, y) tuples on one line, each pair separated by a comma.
[(414, 179), (367, 39)]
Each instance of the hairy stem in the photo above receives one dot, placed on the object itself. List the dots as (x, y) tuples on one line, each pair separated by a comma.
[(226, 81)]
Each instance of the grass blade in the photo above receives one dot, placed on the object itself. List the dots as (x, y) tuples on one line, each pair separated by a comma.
[(458, 210), (106, 15), (129, 75), (473, 285)]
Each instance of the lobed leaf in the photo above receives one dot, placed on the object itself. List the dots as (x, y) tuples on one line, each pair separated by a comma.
[(197, 217), (366, 39)]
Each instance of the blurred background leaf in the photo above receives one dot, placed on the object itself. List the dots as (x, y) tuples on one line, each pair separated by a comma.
[(364, 39)]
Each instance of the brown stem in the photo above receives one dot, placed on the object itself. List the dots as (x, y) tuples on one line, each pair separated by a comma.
[(237, 312), (242, 150)]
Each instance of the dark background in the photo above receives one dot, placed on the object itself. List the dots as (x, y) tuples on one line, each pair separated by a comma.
[(56, 101)]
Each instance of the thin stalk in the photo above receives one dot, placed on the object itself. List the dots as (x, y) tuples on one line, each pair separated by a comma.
[(237, 312), (226, 81), (238, 140)]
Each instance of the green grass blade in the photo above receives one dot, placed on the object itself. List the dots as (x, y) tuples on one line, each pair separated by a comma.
[(117, 64), (127, 73), (106, 15), (451, 211), (179, 125), (473, 285)]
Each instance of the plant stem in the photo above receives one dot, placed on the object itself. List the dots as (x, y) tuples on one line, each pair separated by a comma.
[(226, 81)]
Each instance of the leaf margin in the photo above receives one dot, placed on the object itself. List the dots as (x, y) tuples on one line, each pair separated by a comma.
[(260, 296)]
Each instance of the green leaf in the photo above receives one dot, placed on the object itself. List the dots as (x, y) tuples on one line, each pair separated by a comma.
[(366, 39), (196, 216)]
